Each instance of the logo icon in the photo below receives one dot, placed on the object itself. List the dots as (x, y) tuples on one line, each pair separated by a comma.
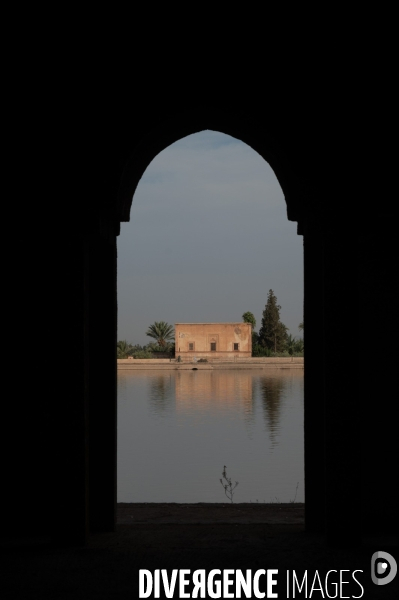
[(383, 568)]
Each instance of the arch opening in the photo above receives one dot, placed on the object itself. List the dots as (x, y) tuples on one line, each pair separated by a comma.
[(210, 248)]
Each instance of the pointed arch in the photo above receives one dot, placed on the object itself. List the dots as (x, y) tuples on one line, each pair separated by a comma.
[(243, 127)]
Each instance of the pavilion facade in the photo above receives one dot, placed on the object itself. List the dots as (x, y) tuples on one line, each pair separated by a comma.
[(213, 340)]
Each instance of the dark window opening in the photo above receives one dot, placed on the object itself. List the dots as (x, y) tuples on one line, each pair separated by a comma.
[(191, 346), (213, 346), (235, 346)]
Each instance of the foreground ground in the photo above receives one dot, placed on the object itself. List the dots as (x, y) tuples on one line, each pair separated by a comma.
[(185, 536)]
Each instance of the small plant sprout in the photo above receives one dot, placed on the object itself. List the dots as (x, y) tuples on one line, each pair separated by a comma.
[(227, 485), (296, 491)]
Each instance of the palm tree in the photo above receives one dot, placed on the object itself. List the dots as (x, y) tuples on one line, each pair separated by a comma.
[(124, 349), (290, 344), (162, 332), (294, 344)]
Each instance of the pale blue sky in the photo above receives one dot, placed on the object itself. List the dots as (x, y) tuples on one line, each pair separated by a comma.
[(208, 237)]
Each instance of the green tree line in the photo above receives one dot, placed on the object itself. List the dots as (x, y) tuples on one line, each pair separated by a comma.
[(272, 339)]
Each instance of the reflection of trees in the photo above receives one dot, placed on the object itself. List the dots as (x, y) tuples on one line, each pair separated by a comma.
[(271, 389), (161, 393), (249, 404)]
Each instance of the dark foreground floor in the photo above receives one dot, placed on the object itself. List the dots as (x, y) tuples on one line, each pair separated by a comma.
[(189, 537)]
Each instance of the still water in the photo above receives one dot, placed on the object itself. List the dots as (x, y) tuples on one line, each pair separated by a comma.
[(177, 429)]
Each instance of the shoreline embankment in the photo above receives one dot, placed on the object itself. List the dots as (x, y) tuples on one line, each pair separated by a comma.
[(136, 364)]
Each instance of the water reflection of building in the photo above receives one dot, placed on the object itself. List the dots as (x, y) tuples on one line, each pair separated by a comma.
[(161, 392), (213, 340), (205, 389)]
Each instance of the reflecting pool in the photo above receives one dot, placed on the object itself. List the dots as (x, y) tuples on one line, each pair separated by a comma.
[(177, 430)]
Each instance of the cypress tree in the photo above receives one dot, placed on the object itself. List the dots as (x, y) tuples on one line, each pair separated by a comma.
[(273, 333)]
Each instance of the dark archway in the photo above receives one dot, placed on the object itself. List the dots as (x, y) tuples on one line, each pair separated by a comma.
[(254, 131), (349, 252), (328, 482)]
